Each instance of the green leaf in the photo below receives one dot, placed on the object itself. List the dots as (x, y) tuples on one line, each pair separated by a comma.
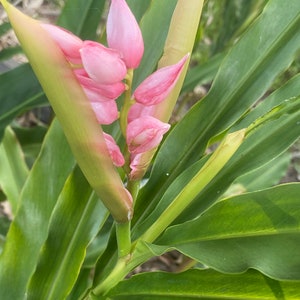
[(202, 74), (82, 17), (75, 221), (203, 284), (31, 139), (234, 14), (4, 28), (138, 7), (9, 52), (266, 48), (4, 225), (265, 176), (13, 169), (272, 134), (288, 90), (154, 26), (29, 229), (256, 230), (14, 101)]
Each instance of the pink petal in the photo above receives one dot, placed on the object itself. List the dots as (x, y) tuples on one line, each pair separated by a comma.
[(138, 110), (109, 91), (95, 96), (106, 112), (114, 150), (69, 43), (135, 165), (124, 34), (104, 65), (158, 85), (144, 134)]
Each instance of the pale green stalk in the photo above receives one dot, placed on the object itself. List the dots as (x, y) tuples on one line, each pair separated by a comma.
[(211, 168)]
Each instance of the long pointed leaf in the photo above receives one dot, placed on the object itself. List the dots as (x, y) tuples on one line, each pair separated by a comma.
[(29, 229), (203, 284), (258, 230), (75, 221), (13, 169)]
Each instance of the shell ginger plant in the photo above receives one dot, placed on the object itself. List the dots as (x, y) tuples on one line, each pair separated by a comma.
[(115, 184)]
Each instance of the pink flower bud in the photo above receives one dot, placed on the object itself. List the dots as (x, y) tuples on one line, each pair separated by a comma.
[(106, 112), (124, 34), (135, 162), (114, 150), (158, 85), (94, 95), (69, 43), (103, 65), (144, 134), (138, 110), (108, 91)]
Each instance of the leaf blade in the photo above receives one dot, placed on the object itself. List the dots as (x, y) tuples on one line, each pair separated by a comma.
[(224, 239), (203, 284)]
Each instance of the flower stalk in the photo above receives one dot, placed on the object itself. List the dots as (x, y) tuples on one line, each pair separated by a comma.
[(210, 169)]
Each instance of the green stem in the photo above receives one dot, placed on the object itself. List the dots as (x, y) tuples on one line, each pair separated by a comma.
[(211, 168), (127, 103), (133, 187), (123, 239), (117, 274)]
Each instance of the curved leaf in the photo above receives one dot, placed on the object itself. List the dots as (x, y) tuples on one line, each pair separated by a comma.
[(39, 195), (271, 136), (75, 221), (13, 169), (203, 284), (19, 91), (258, 230), (203, 73), (82, 17), (266, 176)]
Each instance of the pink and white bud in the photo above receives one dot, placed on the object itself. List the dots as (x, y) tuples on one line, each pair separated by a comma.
[(108, 91), (138, 110), (69, 43), (102, 64), (124, 34), (114, 150), (155, 88), (95, 96), (144, 134), (106, 112)]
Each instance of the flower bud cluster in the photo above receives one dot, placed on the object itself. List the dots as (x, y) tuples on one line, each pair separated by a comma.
[(101, 71)]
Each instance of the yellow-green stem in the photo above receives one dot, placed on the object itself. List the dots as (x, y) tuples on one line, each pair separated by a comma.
[(216, 162), (127, 102), (123, 238), (118, 273), (133, 186)]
